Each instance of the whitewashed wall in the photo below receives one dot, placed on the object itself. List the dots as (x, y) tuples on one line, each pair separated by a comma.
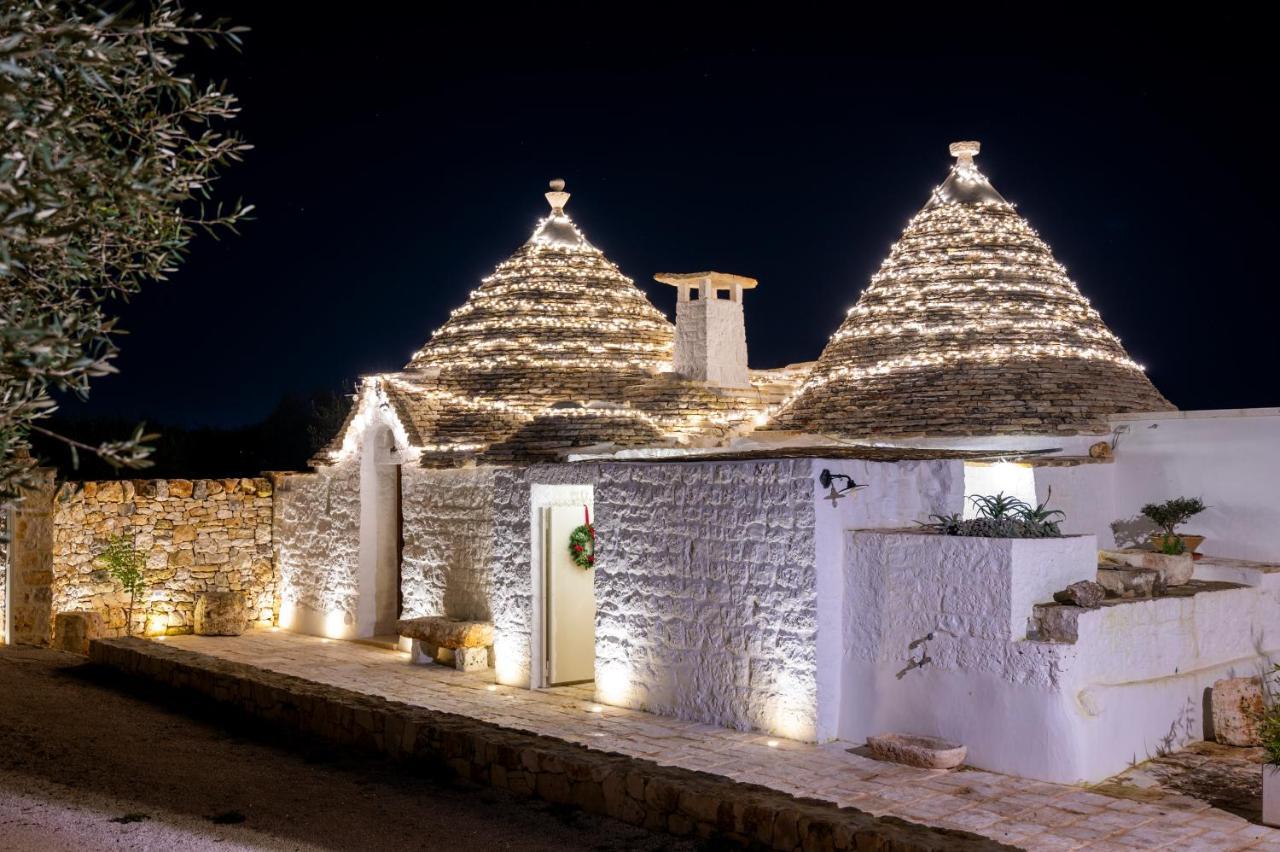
[(705, 588), (1130, 686), (512, 595), (1229, 458), (897, 495), (317, 538), (447, 564)]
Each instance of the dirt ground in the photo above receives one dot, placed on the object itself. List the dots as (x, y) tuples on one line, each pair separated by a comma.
[(1226, 777), (86, 763)]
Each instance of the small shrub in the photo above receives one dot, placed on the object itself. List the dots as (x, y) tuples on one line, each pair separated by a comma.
[(1270, 727), (1171, 514), (125, 563), (1001, 516)]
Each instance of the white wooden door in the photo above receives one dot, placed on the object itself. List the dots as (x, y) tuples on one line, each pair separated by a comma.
[(571, 602)]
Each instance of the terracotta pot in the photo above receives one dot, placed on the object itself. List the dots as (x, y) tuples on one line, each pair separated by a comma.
[(1271, 794), (1190, 542)]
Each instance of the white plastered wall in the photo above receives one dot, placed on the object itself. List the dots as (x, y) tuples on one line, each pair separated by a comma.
[(897, 495), (1230, 459), (332, 530), (928, 652)]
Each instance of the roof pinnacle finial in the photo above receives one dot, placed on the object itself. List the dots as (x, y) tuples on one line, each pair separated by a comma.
[(964, 152), (557, 197)]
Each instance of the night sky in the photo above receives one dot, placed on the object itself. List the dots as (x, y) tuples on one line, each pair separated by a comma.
[(401, 154)]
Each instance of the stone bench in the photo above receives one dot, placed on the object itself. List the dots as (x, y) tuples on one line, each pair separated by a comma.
[(466, 645), (73, 630)]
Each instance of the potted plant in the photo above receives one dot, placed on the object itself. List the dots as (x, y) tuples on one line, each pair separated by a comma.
[(1170, 515)]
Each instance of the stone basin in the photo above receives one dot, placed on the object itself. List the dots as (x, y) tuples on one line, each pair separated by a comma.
[(916, 750)]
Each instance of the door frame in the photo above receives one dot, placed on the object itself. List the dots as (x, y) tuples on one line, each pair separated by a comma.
[(544, 496)]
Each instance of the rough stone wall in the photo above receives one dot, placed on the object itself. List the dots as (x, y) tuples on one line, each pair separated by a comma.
[(198, 535), (512, 597), (447, 561), (967, 593), (317, 545), (711, 341), (705, 589), (30, 571)]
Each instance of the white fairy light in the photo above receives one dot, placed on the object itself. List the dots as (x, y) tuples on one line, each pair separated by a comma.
[(969, 282)]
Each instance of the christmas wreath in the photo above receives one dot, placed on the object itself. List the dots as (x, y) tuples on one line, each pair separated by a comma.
[(582, 543)]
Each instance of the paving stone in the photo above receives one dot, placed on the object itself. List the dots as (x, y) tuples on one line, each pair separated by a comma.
[(1022, 812)]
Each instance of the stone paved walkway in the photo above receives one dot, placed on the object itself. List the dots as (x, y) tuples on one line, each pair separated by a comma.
[(1030, 814)]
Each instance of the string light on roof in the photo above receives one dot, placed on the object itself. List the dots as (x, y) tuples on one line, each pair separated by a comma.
[(554, 319), (969, 325)]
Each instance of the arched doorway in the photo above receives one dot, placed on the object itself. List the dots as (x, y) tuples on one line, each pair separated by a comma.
[(378, 600)]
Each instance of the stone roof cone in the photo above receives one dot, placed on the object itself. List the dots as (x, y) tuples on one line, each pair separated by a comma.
[(970, 327), (556, 320)]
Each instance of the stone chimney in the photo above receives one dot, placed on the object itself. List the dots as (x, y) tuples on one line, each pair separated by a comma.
[(711, 338)]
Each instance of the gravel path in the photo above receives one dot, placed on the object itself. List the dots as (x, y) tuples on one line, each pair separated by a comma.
[(88, 764)]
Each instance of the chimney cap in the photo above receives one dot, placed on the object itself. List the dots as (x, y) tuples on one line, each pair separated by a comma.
[(715, 279)]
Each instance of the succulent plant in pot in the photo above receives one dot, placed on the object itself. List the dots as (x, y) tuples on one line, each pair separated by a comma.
[(1170, 515)]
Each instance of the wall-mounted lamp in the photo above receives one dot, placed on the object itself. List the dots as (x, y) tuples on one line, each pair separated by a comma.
[(827, 479)]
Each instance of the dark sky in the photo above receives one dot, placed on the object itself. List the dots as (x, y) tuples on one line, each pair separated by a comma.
[(401, 154)]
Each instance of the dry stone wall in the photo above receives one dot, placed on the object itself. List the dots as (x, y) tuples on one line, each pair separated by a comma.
[(201, 535), (30, 571), (317, 541)]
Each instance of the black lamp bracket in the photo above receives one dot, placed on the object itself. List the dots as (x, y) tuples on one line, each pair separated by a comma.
[(827, 478)]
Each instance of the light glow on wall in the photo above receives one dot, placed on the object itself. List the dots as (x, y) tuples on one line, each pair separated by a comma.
[(288, 614), (508, 661), (1012, 479), (613, 683), (335, 624), (792, 707)]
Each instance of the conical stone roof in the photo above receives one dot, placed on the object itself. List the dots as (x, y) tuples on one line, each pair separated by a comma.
[(555, 321), (970, 327)]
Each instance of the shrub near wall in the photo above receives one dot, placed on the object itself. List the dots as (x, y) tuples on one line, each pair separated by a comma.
[(198, 535)]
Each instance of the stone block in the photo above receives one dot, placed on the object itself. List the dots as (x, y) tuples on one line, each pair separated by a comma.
[(471, 659), (1054, 623), (1238, 710), (915, 750), (447, 632), (73, 630), (1173, 570), (220, 614), (1084, 593), (1127, 582)]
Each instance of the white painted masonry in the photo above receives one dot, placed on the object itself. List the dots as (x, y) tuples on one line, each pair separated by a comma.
[(705, 588), (317, 537), (897, 495), (711, 336), (447, 566), (1228, 458), (1131, 685)]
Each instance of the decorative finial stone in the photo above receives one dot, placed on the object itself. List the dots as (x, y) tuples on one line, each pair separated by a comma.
[(557, 197), (964, 152)]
